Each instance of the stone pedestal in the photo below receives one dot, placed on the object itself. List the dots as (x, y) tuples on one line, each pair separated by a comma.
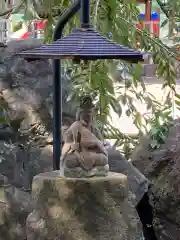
[(98, 208)]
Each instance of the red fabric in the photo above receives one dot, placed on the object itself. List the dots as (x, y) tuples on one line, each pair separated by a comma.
[(41, 24)]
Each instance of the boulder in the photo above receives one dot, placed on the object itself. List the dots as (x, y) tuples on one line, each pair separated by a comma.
[(2, 180), (14, 211), (98, 208), (26, 98), (162, 167), (138, 184), (20, 202), (10, 226), (10, 165)]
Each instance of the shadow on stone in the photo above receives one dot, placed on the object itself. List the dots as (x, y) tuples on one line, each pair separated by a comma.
[(89, 209)]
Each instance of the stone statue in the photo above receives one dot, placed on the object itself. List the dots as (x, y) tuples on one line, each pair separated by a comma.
[(83, 154), (82, 111)]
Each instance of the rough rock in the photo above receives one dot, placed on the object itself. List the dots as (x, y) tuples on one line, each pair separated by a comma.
[(11, 227), (2, 180), (18, 201), (162, 168), (26, 96), (14, 212), (138, 184), (10, 165), (99, 208)]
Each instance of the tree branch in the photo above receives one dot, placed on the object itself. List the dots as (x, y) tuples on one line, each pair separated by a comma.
[(163, 7)]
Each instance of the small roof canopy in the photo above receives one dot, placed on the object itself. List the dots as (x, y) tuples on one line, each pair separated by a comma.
[(84, 44)]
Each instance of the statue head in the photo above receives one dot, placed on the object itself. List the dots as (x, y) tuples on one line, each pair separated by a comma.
[(86, 108), (86, 102)]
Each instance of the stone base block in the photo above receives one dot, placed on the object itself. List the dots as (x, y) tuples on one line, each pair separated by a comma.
[(98, 208)]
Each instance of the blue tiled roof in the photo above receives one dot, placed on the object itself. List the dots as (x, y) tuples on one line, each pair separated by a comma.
[(85, 44)]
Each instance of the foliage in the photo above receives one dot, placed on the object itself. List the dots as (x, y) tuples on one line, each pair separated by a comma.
[(17, 26), (3, 116), (116, 20), (168, 7), (160, 126), (171, 11)]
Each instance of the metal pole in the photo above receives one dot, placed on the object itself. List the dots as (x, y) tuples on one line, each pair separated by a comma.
[(57, 86), (85, 13)]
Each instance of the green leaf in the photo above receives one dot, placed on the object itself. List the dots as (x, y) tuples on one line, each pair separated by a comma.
[(123, 99), (164, 23), (177, 95), (177, 102), (138, 118), (116, 106), (128, 112), (149, 103)]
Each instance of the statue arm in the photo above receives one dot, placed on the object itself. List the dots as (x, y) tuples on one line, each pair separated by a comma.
[(100, 141), (76, 134), (97, 132), (102, 148)]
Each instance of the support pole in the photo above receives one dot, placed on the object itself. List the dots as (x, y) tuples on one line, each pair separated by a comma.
[(85, 13), (57, 98)]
